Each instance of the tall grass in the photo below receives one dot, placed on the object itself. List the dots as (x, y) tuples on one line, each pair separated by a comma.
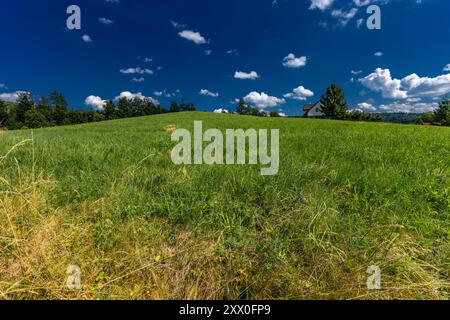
[(107, 197)]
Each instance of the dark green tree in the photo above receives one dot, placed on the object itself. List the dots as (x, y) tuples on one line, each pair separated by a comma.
[(241, 108), (333, 102), (110, 111), (246, 110), (35, 119), (44, 108), (184, 107), (174, 107), (59, 105), (3, 114), (274, 114), (442, 113), (97, 117), (24, 104), (124, 108)]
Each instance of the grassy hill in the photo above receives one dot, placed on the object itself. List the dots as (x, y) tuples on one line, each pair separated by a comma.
[(106, 197)]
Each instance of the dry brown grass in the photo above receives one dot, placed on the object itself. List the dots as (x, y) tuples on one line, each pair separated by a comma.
[(170, 128), (38, 242), (290, 250)]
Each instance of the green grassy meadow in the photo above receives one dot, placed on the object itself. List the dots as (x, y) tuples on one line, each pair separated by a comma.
[(106, 196)]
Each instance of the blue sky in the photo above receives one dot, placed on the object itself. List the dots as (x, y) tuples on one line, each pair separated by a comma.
[(279, 55)]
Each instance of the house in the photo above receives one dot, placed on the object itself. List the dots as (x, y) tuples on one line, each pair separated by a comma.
[(313, 110)]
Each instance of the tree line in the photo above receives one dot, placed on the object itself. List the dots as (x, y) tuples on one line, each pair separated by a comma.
[(334, 106), (53, 111), (440, 117)]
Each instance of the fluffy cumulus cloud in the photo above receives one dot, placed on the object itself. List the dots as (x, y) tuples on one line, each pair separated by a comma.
[(291, 61), (262, 100), (299, 93), (95, 102), (253, 75), (321, 4), (136, 71), (411, 86), (206, 92), (193, 36), (447, 68)]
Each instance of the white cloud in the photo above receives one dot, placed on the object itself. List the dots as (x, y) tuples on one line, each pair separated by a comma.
[(207, 52), (138, 80), (365, 106), (166, 94), (381, 81), (344, 16), (378, 54), (148, 60), (447, 67), (397, 107), (136, 71), (246, 75), (221, 110), (105, 21), (11, 97), (411, 86), (291, 61), (359, 23), (262, 100), (321, 4), (205, 92), (95, 102), (356, 72), (129, 95), (361, 3), (195, 37), (299, 93), (86, 38)]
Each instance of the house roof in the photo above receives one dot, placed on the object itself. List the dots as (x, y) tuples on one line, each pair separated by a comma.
[(308, 107)]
